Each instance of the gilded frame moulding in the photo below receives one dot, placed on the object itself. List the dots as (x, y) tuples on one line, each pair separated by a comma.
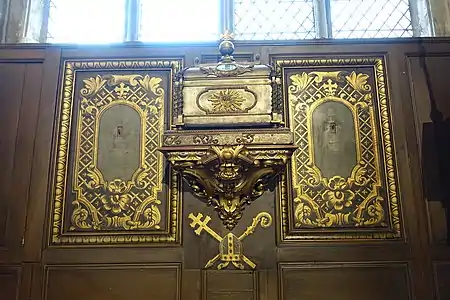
[(365, 204), (117, 210)]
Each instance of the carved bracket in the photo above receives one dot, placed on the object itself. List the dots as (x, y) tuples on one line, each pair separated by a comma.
[(229, 177)]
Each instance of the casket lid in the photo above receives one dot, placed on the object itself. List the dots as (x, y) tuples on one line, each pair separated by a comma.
[(227, 67)]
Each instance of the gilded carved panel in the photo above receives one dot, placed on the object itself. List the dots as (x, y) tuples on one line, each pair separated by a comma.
[(110, 184), (342, 182)]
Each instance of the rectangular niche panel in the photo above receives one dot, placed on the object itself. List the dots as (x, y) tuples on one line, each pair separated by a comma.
[(110, 184), (113, 282), (344, 175), (344, 281)]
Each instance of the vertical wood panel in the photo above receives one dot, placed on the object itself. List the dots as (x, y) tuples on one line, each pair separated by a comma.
[(20, 85), (9, 282), (230, 284), (442, 277), (24, 149), (11, 85), (34, 232)]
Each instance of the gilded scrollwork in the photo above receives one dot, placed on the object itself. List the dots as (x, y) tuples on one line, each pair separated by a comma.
[(237, 71), (109, 208), (247, 137), (229, 178), (125, 204), (363, 196)]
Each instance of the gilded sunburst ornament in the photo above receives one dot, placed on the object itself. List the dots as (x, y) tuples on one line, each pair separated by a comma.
[(225, 101)]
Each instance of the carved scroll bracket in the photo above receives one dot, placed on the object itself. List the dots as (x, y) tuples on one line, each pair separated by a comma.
[(229, 177)]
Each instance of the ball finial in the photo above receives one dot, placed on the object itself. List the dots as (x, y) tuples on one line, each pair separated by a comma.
[(226, 47)]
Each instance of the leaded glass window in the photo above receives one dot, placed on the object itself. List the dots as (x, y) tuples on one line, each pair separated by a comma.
[(274, 20), (370, 19), (110, 21)]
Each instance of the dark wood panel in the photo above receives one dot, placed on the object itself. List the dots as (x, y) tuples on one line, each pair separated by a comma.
[(229, 284), (19, 54), (11, 86), (20, 85), (38, 197), (442, 277), (344, 252), (259, 247), (24, 150), (80, 255), (112, 282), (344, 281), (9, 283), (436, 87)]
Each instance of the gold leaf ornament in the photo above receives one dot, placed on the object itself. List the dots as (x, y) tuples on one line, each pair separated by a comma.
[(92, 85), (300, 82), (338, 194), (151, 84), (225, 101), (359, 82)]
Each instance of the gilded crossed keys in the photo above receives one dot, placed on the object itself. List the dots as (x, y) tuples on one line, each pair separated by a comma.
[(230, 246)]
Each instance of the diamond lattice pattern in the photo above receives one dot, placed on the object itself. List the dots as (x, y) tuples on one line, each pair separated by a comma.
[(274, 20), (370, 18)]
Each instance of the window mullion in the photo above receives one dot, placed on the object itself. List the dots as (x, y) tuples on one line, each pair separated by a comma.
[(322, 18), (421, 20), (226, 15), (132, 20)]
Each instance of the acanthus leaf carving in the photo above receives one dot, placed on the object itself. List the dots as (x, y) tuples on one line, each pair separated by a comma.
[(230, 177), (364, 196), (98, 209)]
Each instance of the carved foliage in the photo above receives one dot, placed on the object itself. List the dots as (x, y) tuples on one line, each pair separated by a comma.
[(229, 177), (364, 199), (105, 205)]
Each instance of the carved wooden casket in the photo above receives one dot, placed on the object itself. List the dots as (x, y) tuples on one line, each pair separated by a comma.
[(227, 94), (228, 141)]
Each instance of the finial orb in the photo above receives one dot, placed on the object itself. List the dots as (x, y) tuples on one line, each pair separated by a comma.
[(226, 48)]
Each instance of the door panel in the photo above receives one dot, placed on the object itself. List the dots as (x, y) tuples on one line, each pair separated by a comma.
[(19, 101), (442, 276), (344, 281), (138, 282), (9, 282), (230, 284)]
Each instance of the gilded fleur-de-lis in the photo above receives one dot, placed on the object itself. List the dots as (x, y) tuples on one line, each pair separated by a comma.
[(122, 90), (330, 88)]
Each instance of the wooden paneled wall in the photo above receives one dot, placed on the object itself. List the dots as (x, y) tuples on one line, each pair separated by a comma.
[(414, 267)]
